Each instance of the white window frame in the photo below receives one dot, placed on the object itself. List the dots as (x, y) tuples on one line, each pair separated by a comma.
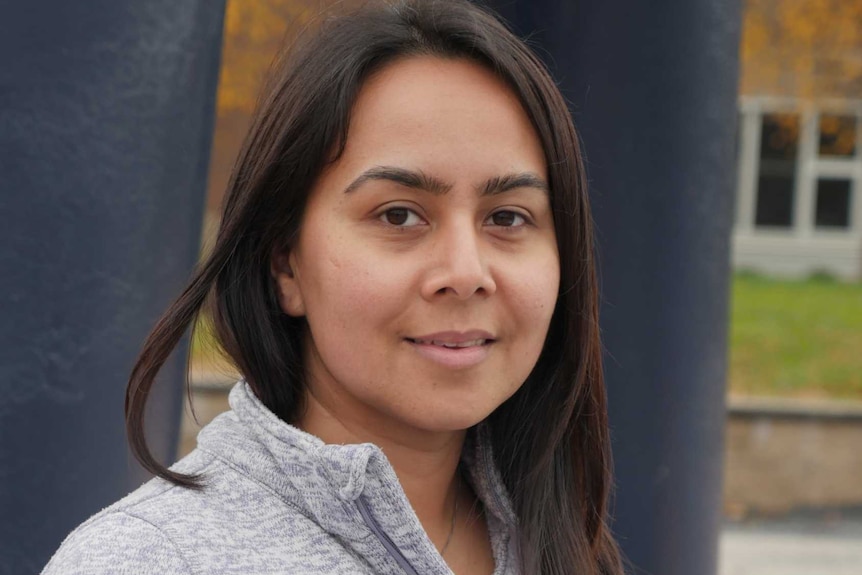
[(809, 167)]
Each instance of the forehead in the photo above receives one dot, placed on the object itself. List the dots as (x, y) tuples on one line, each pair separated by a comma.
[(431, 112)]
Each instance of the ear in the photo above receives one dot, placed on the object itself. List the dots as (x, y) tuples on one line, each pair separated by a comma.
[(281, 267)]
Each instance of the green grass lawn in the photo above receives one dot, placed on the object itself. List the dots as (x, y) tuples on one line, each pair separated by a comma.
[(787, 338), (796, 338)]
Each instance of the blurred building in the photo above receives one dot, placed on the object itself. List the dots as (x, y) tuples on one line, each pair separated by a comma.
[(799, 210)]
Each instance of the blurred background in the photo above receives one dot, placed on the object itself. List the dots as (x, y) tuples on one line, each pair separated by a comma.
[(793, 441), (792, 449)]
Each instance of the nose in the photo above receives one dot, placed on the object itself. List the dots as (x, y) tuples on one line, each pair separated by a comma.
[(458, 265)]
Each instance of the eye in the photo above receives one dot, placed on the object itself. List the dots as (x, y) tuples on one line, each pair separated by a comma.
[(402, 217), (507, 219)]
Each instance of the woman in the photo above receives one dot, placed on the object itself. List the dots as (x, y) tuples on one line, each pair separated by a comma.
[(404, 277)]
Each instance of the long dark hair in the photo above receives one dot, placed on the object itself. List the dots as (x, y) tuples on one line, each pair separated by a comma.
[(550, 439)]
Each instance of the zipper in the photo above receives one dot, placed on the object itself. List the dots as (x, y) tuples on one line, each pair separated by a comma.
[(383, 537)]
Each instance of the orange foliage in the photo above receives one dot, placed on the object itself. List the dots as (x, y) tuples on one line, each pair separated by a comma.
[(784, 134), (253, 32), (837, 135), (802, 48)]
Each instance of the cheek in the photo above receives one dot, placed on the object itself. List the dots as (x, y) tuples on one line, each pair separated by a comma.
[(543, 291), (538, 300), (536, 288), (349, 286), (535, 301)]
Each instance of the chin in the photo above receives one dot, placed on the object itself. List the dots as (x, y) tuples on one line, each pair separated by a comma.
[(452, 417)]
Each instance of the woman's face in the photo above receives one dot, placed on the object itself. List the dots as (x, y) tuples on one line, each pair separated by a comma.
[(426, 264)]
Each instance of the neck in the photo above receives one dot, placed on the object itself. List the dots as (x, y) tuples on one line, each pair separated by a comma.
[(426, 463)]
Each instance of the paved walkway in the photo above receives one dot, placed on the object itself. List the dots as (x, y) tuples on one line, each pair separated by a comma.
[(796, 546)]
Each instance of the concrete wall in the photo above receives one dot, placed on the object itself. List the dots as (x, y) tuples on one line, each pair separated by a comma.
[(784, 455)]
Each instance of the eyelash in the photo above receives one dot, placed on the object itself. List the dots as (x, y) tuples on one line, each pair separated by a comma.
[(410, 212)]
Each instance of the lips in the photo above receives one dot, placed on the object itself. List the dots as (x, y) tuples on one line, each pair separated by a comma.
[(453, 349), (454, 339), (450, 344)]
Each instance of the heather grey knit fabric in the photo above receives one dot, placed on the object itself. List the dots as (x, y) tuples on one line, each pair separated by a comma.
[(277, 500)]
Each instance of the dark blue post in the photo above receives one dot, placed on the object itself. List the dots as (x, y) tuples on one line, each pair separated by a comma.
[(653, 87), (106, 114)]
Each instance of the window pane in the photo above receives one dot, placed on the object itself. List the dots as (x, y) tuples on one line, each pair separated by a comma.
[(837, 135), (779, 139), (779, 136), (774, 201), (833, 203)]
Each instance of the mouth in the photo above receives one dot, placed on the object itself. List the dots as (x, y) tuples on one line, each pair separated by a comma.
[(478, 342), (453, 349)]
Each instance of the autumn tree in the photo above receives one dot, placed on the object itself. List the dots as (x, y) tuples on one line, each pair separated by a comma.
[(802, 48)]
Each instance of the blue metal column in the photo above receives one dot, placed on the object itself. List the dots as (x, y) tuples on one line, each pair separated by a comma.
[(653, 87), (106, 115)]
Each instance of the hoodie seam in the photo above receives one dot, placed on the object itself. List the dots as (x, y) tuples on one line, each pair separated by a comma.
[(167, 538), (279, 496)]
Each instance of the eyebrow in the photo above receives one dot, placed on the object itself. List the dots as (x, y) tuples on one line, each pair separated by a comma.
[(508, 182), (418, 180)]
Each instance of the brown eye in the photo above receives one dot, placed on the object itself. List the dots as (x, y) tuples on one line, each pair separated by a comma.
[(401, 217), (507, 219), (397, 216)]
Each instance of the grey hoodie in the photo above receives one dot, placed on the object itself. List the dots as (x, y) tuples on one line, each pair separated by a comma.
[(278, 500)]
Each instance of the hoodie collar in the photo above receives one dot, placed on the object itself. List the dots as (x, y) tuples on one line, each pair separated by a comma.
[(323, 481)]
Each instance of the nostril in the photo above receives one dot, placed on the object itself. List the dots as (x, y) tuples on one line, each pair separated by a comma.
[(458, 275)]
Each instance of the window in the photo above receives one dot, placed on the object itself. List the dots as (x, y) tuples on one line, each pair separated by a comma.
[(837, 136), (779, 143), (799, 167), (833, 203)]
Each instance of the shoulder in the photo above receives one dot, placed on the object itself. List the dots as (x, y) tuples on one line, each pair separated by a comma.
[(233, 524), (130, 536), (118, 543)]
